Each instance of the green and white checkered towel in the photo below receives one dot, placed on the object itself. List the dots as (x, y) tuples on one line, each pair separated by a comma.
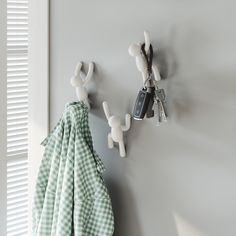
[(71, 198)]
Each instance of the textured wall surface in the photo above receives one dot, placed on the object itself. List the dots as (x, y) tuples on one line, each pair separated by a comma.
[(178, 179)]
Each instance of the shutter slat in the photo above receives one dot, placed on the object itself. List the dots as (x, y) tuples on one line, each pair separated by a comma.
[(19, 233), (17, 184), (16, 95), (17, 206), (17, 39), (16, 222), (17, 69), (16, 196), (17, 140), (19, 128), (18, 200), (17, 122), (17, 90), (18, 16), (12, 12), (16, 74), (17, 111), (21, 209), (17, 143), (16, 49), (16, 231), (17, 6), (12, 147), (18, 1), (17, 101), (18, 58), (18, 189), (17, 63), (24, 151), (17, 149), (14, 144), (16, 29), (18, 85), (15, 215), (23, 115), (17, 106), (22, 131), (19, 178), (17, 167)]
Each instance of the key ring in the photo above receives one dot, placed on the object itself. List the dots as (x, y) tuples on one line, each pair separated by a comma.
[(155, 84), (145, 82)]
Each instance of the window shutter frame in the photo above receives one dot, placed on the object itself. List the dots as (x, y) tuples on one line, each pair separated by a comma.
[(39, 69), (3, 117), (38, 94)]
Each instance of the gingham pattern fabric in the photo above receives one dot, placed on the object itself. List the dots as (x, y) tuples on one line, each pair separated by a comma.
[(71, 198)]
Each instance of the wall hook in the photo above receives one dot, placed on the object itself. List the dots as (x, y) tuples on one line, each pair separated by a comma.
[(80, 83), (151, 100), (135, 51), (117, 129)]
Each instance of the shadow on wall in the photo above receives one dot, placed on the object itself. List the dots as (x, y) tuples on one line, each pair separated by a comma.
[(126, 214), (121, 211)]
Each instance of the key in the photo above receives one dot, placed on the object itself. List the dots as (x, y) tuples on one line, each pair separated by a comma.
[(160, 101), (162, 114), (156, 112), (160, 96)]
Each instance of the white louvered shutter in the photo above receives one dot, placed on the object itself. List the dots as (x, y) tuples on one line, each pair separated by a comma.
[(17, 118)]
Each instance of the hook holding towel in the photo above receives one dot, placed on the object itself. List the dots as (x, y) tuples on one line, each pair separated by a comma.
[(80, 83)]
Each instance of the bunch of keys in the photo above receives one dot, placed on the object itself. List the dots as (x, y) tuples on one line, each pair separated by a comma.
[(160, 110), (150, 96)]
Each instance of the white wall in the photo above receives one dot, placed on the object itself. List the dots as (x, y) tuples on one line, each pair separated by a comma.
[(179, 179)]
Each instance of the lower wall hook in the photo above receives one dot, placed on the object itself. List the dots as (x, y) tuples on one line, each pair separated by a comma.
[(117, 129)]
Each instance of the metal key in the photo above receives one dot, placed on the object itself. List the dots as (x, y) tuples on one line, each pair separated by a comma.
[(162, 113), (161, 97), (156, 112), (160, 101)]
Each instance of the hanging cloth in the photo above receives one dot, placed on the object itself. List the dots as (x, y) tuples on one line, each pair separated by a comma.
[(71, 198)]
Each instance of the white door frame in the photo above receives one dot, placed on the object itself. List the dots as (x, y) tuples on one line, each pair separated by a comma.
[(38, 88)]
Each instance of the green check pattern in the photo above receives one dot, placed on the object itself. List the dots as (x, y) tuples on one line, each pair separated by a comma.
[(71, 198)]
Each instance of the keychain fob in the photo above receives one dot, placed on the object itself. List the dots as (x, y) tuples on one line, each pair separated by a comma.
[(141, 104)]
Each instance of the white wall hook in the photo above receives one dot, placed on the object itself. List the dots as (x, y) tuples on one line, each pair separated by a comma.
[(79, 83), (117, 129), (156, 73), (147, 40), (135, 51)]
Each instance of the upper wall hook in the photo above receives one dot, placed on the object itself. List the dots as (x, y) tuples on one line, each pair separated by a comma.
[(79, 83), (135, 51), (147, 41), (151, 100)]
